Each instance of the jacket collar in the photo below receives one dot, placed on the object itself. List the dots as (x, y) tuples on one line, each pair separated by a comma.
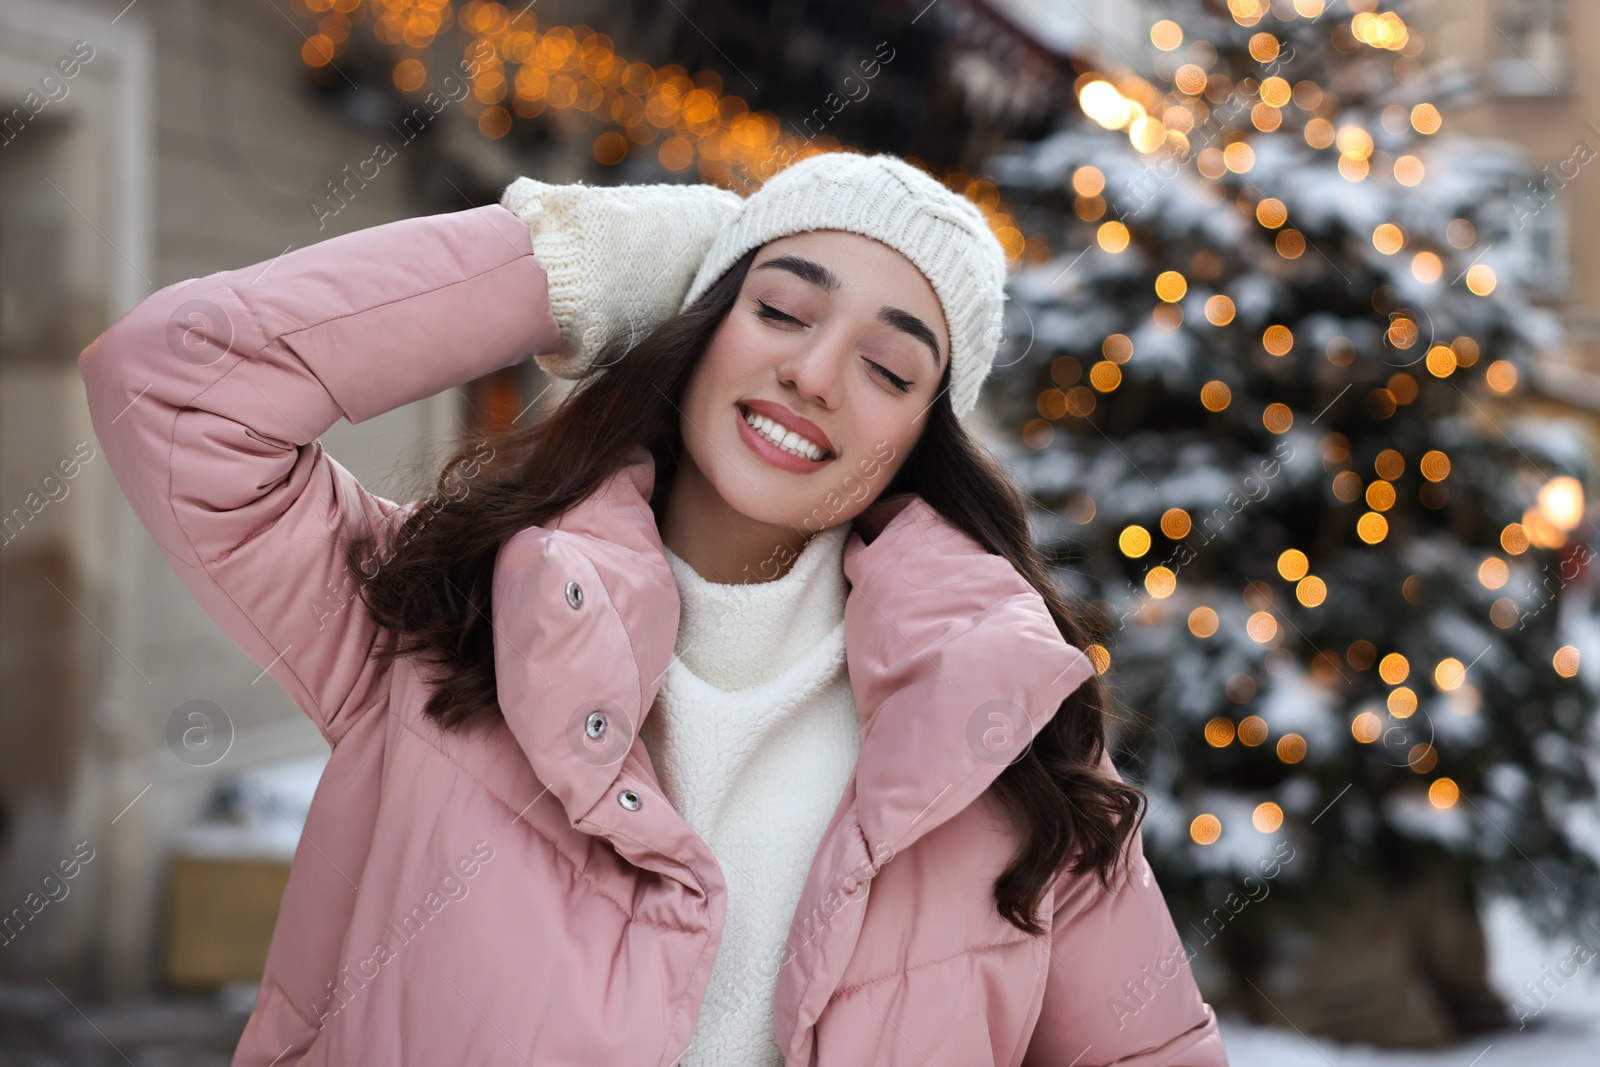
[(955, 664)]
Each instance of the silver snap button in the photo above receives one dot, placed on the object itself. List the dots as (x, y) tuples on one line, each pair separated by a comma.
[(596, 724), (629, 799), (574, 594)]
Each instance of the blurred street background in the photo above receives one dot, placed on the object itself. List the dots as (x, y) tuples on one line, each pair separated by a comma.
[(1301, 367)]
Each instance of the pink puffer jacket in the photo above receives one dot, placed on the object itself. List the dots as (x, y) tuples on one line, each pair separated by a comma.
[(525, 894)]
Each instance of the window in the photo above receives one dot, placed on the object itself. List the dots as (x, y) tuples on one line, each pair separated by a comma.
[(1531, 57)]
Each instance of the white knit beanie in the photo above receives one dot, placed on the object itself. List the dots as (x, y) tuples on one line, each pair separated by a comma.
[(883, 197)]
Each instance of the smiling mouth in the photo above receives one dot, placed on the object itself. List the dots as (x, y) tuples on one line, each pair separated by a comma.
[(775, 433)]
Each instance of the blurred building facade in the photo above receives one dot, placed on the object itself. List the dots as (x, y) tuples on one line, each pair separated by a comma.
[(1537, 88), (138, 148)]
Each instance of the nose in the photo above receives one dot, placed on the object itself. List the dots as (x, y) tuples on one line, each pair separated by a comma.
[(817, 371)]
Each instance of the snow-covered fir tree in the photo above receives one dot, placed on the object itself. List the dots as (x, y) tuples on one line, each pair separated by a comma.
[(1267, 367)]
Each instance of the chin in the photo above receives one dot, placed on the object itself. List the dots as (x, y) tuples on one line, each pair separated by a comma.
[(760, 494)]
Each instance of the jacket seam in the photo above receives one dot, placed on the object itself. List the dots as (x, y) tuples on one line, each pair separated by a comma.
[(844, 990), (287, 999), (270, 338), (582, 874), (322, 717)]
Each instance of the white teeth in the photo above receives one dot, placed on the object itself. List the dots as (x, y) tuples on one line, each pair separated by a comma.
[(785, 439)]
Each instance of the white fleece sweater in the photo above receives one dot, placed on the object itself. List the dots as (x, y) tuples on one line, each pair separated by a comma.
[(754, 736)]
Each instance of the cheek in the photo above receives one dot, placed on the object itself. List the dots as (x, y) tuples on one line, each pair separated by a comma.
[(732, 356)]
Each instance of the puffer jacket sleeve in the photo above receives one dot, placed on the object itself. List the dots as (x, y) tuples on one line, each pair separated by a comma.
[(208, 398), (1119, 991)]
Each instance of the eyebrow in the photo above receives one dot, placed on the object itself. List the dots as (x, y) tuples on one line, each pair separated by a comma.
[(823, 278)]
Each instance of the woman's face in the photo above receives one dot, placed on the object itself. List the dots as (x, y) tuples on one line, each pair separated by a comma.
[(836, 337)]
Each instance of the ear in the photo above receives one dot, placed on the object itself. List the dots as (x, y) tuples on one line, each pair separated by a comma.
[(879, 513)]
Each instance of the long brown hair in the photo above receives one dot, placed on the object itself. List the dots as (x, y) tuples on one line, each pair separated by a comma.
[(431, 592)]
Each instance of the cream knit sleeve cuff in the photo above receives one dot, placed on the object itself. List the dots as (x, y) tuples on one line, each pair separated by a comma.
[(619, 259)]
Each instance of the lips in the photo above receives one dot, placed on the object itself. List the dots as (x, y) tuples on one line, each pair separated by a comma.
[(798, 423)]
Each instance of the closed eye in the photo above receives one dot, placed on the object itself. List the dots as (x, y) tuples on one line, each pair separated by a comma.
[(893, 379), (769, 312)]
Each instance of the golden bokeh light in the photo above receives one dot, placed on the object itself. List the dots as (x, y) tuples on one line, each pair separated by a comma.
[(1402, 333), (1265, 118), (1170, 286), (1261, 627), (1319, 133), (1493, 572), (1394, 668), (1427, 267), (1561, 502), (1219, 732), (1422, 758), (1441, 361), (1388, 238), (1481, 279), (1117, 347), (1100, 657), (1112, 236), (1291, 748), (1105, 376), (1443, 793), (1271, 213), (1435, 465), (1277, 418), (1160, 582), (1134, 541), (1449, 673), (1500, 376), (1202, 621), (1175, 523), (1191, 79), (1372, 527), (1293, 564), (1355, 141), (1402, 702), (1380, 495), (1277, 340), (1408, 170), (1514, 538), (1353, 167), (409, 74), (1205, 829), (1166, 35), (1347, 486), (1253, 731), (1311, 591), (1216, 396), (1219, 310), (1366, 728), (1565, 661), (1267, 817), (1088, 181), (1102, 103), (1425, 119), (1389, 464)]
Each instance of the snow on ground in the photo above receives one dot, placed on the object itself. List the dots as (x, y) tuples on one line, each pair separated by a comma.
[(1565, 1033)]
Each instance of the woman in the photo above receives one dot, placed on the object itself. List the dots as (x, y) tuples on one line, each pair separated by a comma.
[(727, 715)]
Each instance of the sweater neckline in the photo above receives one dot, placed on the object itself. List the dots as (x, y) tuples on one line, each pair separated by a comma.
[(739, 635)]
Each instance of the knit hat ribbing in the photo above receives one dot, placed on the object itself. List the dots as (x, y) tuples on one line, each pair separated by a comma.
[(887, 199)]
